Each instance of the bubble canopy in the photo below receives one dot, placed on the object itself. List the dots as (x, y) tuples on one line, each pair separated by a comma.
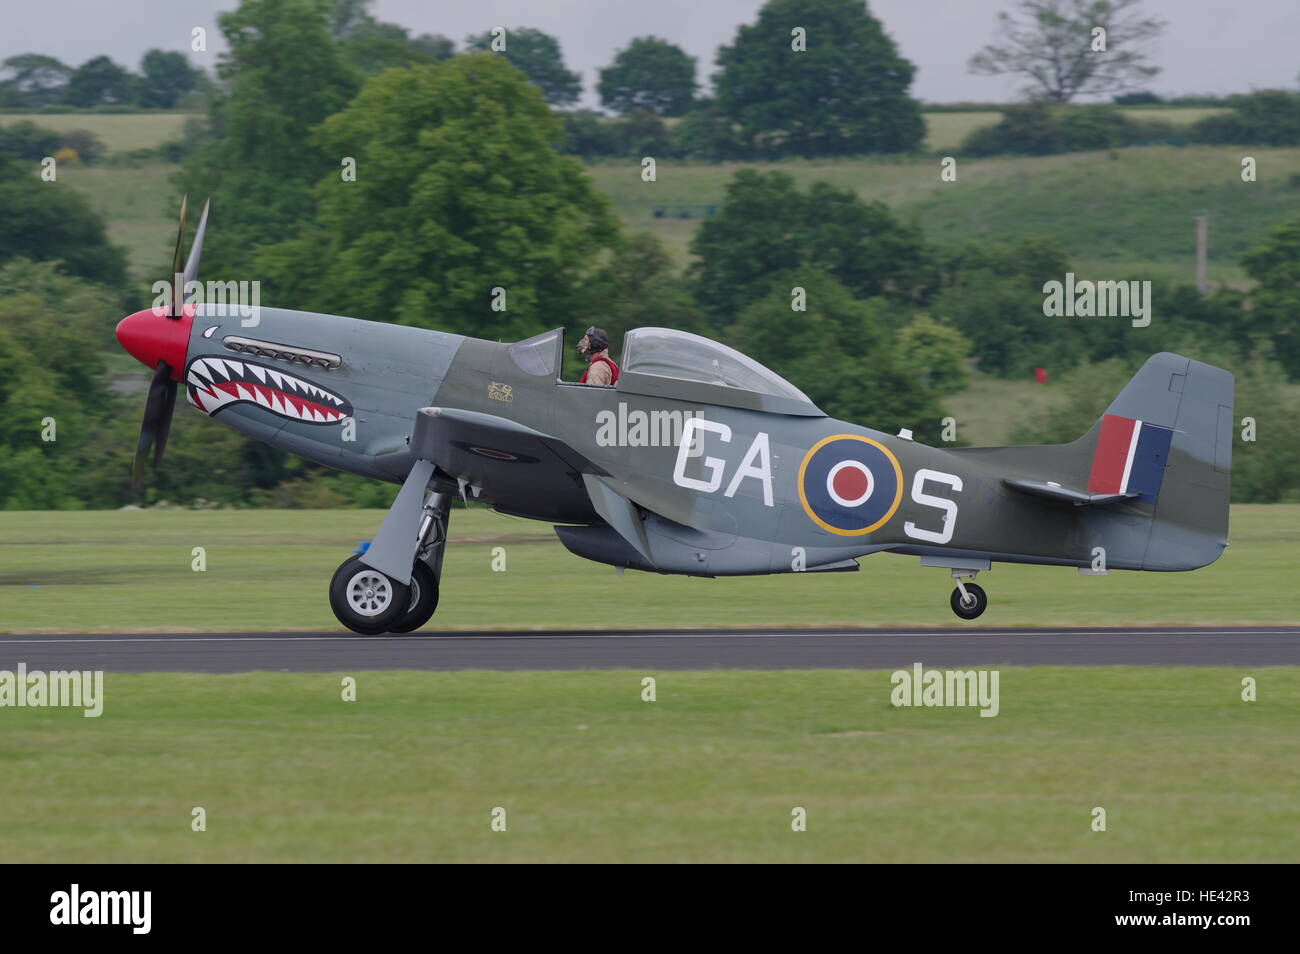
[(679, 365), (671, 363)]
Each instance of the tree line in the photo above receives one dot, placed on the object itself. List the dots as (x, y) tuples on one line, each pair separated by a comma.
[(460, 187)]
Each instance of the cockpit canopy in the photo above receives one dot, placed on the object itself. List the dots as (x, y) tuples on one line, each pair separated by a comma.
[(681, 366), (679, 354)]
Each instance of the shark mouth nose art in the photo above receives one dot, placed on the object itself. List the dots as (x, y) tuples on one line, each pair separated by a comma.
[(214, 383)]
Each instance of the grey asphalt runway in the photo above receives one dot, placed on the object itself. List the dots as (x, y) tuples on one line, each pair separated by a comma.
[(652, 650)]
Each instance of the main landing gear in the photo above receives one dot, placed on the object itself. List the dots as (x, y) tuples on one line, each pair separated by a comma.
[(368, 593)]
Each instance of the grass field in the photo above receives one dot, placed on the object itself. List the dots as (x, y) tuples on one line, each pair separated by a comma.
[(1126, 215), (990, 408), (711, 771), (139, 207), (120, 132), (126, 131), (115, 571), (1116, 216)]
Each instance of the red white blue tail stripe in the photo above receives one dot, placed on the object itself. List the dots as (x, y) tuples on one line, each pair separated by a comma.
[(1130, 458)]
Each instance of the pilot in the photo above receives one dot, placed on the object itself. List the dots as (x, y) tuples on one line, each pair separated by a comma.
[(601, 368)]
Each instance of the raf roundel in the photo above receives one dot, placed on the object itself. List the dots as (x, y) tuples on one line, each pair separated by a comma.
[(850, 485)]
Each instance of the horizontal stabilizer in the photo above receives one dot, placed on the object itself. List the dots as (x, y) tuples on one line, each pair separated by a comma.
[(1053, 491)]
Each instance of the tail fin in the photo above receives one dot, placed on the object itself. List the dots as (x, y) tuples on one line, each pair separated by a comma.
[(1149, 482), (1167, 438)]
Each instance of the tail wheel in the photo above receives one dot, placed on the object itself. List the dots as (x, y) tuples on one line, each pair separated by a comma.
[(423, 602), (975, 602), (367, 601)]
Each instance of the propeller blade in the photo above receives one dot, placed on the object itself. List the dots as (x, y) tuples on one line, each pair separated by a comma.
[(178, 293), (165, 422), (154, 408), (196, 248)]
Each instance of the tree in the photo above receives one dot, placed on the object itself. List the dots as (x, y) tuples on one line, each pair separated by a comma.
[(845, 93), (1053, 44), (651, 74), (993, 294), (637, 287), (767, 226), (371, 45), (282, 76), (348, 16), (53, 332), (537, 55), (47, 223), (99, 81), (435, 45), (934, 353), (459, 191), (26, 140), (1275, 301), (842, 353), (1265, 117), (36, 80), (704, 133), (165, 77)]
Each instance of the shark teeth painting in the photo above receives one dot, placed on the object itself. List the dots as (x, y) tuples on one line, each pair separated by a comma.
[(215, 383)]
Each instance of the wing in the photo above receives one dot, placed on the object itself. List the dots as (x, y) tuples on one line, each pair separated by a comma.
[(515, 468)]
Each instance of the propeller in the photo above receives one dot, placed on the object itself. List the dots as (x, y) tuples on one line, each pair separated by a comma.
[(160, 403)]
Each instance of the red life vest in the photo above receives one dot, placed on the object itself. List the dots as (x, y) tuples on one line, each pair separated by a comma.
[(613, 370)]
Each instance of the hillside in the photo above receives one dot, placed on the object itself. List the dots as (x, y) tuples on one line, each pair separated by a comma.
[(1119, 212)]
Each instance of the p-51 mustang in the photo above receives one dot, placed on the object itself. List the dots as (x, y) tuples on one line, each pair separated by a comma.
[(698, 461)]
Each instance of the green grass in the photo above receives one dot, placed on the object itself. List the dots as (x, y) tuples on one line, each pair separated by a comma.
[(989, 409), (1133, 209), (115, 571), (710, 772), (945, 131), (1175, 115), (120, 132), (139, 206), (1131, 214)]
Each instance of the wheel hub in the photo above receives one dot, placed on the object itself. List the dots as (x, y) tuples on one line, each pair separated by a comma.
[(369, 593)]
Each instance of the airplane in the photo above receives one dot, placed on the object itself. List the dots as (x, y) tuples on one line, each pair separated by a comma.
[(697, 461)]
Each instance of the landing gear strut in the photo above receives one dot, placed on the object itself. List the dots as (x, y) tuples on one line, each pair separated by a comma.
[(427, 569), (969, 599), (393, 586)]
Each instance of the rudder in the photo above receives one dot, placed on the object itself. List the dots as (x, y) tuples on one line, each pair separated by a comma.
[(1167, 438)]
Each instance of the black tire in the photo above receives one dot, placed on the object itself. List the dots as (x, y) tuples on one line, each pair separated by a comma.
[(366, 601), (979, 601), (423, 602)]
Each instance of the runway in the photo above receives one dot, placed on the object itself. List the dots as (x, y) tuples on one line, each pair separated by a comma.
[(654, 650)]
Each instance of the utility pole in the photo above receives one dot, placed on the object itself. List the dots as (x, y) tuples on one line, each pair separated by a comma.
[(1202, 234)]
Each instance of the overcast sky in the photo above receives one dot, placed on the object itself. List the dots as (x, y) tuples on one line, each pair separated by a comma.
[(1210, 46)]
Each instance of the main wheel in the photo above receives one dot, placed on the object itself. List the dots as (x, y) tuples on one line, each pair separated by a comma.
[(366, 601), (424, 600), (976, 601)]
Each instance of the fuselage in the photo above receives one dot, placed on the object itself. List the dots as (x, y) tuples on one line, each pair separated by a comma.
[(746, 490)]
